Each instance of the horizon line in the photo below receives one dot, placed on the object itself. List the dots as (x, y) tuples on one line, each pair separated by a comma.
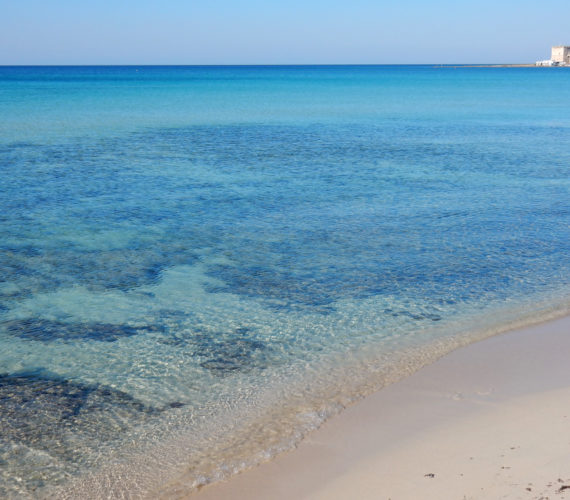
[(157, 65)]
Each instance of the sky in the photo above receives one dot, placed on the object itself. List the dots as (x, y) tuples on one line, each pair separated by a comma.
[(280, 32)]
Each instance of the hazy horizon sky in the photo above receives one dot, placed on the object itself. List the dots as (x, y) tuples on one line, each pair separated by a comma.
[(269, 32)]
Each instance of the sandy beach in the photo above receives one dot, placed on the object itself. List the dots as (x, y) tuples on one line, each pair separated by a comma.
[(490, 420)]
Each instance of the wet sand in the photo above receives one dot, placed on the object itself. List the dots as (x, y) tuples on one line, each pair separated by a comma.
[(490, 420)]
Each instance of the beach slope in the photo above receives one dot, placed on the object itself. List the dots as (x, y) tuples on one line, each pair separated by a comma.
[(490, 420)]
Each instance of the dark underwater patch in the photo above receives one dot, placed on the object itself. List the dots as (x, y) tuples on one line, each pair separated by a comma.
[(52, 414), (26, 394), (46, 330), (414, 316), (280, 288), (228, 356), (223, 353), (122, 269)]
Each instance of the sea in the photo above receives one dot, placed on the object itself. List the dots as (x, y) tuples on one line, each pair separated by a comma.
[(200, 265)]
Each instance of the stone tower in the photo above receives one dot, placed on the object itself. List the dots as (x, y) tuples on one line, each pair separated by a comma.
[(561, 54)]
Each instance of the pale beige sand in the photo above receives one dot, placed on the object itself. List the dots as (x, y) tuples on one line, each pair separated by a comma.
[(489, 421)]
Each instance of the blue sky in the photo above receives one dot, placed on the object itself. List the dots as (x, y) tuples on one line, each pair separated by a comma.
[(284, 32)]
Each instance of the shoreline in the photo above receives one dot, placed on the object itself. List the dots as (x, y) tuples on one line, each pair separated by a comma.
[(162, 470), (453, 418)]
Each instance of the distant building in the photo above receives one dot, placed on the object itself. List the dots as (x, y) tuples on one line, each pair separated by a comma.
[(561, 54), (546, 62)]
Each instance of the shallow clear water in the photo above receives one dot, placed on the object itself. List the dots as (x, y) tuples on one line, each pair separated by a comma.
[(200, 264)]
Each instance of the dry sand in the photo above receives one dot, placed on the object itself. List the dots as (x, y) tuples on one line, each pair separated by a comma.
[(488, 421)]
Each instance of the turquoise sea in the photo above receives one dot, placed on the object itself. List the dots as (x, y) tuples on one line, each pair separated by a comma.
[(199, 265)]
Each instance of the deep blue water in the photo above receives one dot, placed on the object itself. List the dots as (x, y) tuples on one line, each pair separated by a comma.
[(177, 240)]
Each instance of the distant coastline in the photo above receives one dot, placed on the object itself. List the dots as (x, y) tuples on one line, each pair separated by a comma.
[(528, 65)]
